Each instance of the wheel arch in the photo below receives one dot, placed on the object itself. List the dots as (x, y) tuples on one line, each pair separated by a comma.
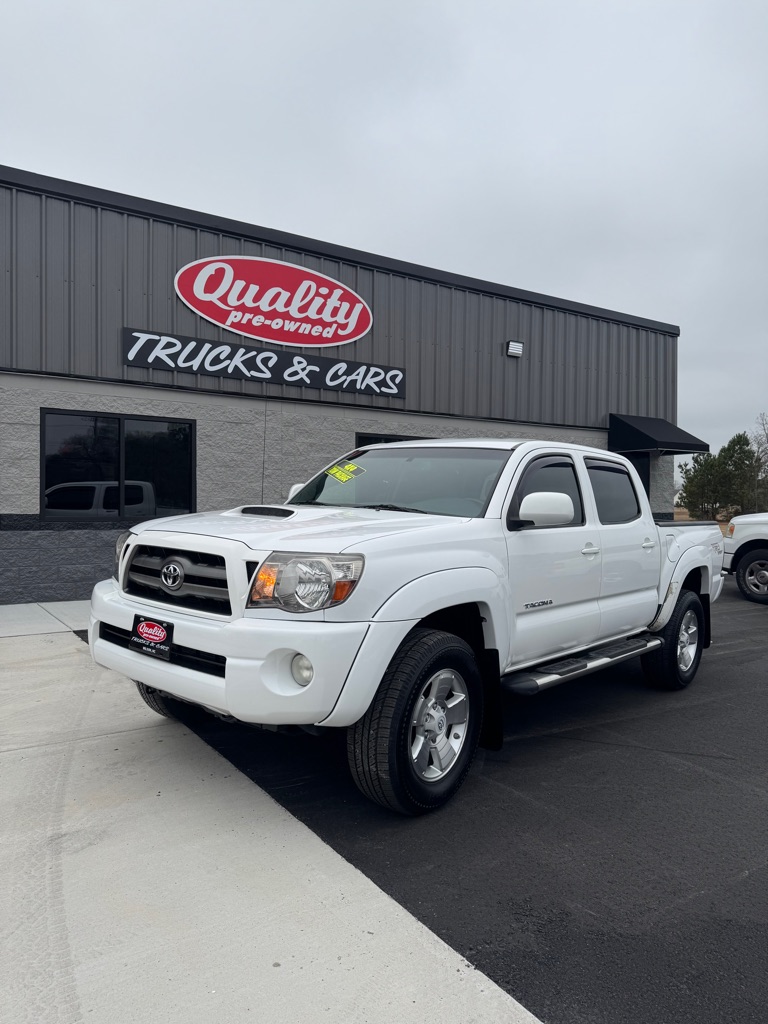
[(698, 581), (470, 621), (746, 549), (480, 618), (687, 575)]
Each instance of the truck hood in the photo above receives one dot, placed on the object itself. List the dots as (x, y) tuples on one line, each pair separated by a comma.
[(752, 518), (305, 528)]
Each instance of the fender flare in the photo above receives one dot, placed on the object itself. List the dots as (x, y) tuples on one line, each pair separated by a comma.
[(401, 612), (446, 587), (688, 561)]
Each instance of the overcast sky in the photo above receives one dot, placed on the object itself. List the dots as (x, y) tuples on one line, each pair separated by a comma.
[(613, 152)]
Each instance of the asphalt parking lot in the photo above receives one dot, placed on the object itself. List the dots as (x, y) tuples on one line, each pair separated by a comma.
[(607, 865)]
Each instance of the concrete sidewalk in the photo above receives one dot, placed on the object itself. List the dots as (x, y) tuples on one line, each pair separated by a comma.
[(37, 619), (147, 881)]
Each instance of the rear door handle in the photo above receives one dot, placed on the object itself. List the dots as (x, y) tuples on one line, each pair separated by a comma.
[(648, 544), (590, 551)]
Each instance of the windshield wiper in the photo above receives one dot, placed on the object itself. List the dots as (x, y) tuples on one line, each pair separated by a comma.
[(381, 507)]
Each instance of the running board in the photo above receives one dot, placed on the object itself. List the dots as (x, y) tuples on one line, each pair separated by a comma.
[(530, 681)]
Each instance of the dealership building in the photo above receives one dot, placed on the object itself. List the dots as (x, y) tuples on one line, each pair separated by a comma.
[(155, 360)]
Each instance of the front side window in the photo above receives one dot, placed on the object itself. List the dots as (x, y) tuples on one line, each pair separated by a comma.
[(614, 492), (438, 481), (79, 497), (114, 467), (554, 474)]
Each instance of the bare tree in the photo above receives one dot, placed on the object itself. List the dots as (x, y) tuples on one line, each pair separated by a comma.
[(759, 438)]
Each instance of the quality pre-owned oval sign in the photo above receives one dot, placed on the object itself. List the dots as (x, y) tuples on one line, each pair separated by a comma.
[(151, 631), (273, 301)]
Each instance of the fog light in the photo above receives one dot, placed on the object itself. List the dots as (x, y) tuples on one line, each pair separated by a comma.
[(301, 670)]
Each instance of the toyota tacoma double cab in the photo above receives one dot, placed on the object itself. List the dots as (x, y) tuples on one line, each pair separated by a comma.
[(401, 591), (746, 555)]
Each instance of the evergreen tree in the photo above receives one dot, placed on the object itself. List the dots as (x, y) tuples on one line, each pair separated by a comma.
[(702, 492), (730, 483), (740, 466)]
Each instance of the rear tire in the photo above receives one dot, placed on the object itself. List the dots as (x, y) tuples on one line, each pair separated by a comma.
[(412, 749), (159, 702), (674, 664), (752, 576)]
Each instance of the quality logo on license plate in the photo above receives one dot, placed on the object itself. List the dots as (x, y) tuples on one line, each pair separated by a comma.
[(153, 637)]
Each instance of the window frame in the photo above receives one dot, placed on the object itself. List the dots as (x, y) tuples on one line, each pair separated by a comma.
[(549, 457), (590, 461), (121, 417)]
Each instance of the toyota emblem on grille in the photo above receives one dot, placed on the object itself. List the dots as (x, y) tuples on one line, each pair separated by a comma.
[(172, 575)]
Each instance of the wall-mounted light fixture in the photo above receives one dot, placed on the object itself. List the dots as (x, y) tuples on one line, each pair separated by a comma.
[(514, 348)]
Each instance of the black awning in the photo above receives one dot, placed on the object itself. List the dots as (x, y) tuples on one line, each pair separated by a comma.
[(627, 434)]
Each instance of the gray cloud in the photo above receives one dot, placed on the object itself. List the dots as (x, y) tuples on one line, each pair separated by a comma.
[(611, 153)]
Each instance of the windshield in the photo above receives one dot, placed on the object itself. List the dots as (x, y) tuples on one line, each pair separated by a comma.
[(439, 481)]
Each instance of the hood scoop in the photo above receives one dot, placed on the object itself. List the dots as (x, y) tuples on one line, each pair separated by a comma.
[(274, 511)]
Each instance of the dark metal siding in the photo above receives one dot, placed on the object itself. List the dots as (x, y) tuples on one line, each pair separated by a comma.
[(73, 273)]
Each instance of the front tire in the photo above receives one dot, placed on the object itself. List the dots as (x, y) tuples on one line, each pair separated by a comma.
[(412, 749), (752, 576), (159, 702), (674, 664)]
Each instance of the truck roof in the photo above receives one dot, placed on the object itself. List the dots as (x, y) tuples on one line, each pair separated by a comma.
[(504, 443)]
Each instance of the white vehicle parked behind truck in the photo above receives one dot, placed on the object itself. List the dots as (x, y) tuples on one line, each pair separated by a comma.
[(400, 591), (88, 498), (746, 555)]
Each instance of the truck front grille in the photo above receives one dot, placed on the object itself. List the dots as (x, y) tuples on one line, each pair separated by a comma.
[(186, 657), (182, 579)]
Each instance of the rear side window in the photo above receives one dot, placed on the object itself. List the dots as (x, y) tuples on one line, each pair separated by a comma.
[(615, 494), (554, 474), (134, 494)]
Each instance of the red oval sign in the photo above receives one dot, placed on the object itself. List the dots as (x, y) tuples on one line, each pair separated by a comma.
[(274, 301), (151, 631)]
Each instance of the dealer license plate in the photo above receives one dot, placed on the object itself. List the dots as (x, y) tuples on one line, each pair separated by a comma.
[(151, 636)]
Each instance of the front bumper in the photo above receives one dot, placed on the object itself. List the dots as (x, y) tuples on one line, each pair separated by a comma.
[(257, 685)]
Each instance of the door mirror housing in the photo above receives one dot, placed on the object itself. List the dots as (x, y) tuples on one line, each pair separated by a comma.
[(295, 488), (543, 508)]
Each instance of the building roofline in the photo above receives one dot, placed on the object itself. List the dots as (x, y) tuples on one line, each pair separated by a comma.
[(32, 182)]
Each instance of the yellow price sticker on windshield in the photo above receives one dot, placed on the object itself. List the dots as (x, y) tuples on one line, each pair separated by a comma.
[(344, 471)]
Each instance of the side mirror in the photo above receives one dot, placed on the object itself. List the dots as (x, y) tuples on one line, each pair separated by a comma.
[(295, 488), (543, 508)]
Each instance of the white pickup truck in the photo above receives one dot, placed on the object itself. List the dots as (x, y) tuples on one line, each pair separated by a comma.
[(746, 555), (399, 591)]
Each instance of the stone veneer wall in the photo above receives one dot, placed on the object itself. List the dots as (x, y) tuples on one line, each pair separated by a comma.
[(663, 486), (248, 450)]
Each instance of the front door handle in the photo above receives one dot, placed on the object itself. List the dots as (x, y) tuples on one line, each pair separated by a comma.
[(590, 551), (648, 544)]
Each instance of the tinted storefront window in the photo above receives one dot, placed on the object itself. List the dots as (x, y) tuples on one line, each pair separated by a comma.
[(109, 467), (160, 451), (79, 448)]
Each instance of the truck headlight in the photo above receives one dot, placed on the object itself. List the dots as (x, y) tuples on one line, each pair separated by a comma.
[(304, 583), (120, 543), (731, 528)]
